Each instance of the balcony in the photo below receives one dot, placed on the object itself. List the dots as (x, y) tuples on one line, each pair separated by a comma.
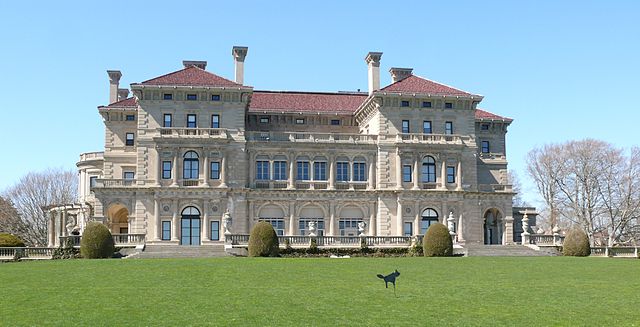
[(351, 185), (89, 156), (171, 132), (311, 137), (495, 188), (419, 138), (100, 183), (271, 185), (302, 241)]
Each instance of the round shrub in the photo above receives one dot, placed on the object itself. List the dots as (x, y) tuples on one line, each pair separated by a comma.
[(10, 241), (576, 244), (96, 242), (263, 241), (437, 241)]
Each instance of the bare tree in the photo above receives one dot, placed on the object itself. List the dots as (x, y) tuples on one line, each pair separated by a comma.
[(35, 191), (544, 167), (516, 186), (9, 218)]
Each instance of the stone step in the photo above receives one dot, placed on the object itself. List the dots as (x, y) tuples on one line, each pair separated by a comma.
[(182, 251), (474, 250)]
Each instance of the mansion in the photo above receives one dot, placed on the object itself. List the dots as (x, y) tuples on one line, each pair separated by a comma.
[(191, 158)]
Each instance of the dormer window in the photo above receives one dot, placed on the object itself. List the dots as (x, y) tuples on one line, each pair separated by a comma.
[(448, 105), (192, 97), (404, 104), (215, 97), (167, 96), (426, 104)]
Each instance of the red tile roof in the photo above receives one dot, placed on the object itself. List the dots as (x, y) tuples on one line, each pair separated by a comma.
[(416, 84), (191, 76), (126, 103), (481, 114), (315, 102)]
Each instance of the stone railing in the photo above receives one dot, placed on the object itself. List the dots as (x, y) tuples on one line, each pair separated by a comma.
[(495, 188), (171, 132), (615, 251), (546, 240), (351, 185), (449, 139), (237, 239), (269, 184), (242, 240), (311, 137), (71, 240), (100, 182), (91, 156), (26, 253), (191, 182), (123, 240)]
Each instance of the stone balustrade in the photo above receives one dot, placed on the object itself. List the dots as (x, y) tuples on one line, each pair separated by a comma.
[(87, 156), (172, 132), (242, 240), (447, 139), (311, 137), (495, 188), (26, 253), (121, 240), (114, 182), (546, 239), (615, 251)]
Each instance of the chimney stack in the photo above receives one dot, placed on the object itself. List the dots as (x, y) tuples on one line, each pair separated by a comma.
[(373, 61), (123, 94), (198, 63), (114, 82), (239, 53), (398, 74)]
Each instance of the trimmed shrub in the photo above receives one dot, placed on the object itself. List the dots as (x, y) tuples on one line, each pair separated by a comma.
[(10, 241), (437, 241), (576, 244), (96, 242), (263, 241)]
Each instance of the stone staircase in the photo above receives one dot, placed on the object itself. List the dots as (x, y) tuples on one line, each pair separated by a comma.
[(181, 251), (480, 250)]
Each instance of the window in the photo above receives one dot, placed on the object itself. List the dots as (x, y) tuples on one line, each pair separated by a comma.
[(278, 225), (303, 226), (426, 104), (192, 97), (192, 121), (215, 230), (167, 120), (129, 139), (406, 173), (191, 167), (166, 169), (359, 171), (426, 127), (215, 170), (303, 171), (300, 121), (335, 122), (451, 174), (166, 230), (405, 126), (264, 120), (448, 128), (130, 117), (342, 171), (428, 170), (349, 226), (262, 170), (167, 96), (404, 103), (485, 147), (279, 170), (215, 97), (215, 121), (320, 171), (484, 127), (408, 229), (429, 217), (448, 105), (128, 175), (92, 181)]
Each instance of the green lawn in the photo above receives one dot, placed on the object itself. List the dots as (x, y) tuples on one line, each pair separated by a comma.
[(292, 292)]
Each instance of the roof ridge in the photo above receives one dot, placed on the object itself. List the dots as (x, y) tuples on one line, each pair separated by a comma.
[(190, 68), (311, 92), (449, 86)]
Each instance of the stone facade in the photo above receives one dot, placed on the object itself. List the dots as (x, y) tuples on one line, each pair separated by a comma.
[(190, 146)]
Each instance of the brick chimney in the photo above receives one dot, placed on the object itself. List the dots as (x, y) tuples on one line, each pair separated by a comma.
[(398, 74), (198, 63), (114, 82), (239, 53), (373, 61)]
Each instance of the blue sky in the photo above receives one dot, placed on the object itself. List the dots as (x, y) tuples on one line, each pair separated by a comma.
[(562, 69)]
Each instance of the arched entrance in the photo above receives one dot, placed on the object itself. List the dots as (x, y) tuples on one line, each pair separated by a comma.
[(429, 217), (118, 218), (190, 226), (493, 226)]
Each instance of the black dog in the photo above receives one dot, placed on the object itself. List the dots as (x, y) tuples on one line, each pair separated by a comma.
[(390, 278)]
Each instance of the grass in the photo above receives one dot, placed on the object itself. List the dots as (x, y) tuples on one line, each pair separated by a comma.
[(557, 291)]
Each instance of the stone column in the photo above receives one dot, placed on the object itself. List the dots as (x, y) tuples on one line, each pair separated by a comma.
[(290, 178), (175, 228), (416, 220), (372, 219), (206, 167), (159, 166), (460, 228), (508, 233), (223, 170), (334, 220), (332, 172), (443, 175), (64, 223), (59, 227), (459, 176), (399, 221), (158, 223), (174, 168), (398, 170), (292, 219), (252, 170), (206, 229), (416, 173), (52, 229), (372, 176)]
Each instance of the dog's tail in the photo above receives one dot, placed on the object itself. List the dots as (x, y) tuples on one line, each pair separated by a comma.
[(380, 276)]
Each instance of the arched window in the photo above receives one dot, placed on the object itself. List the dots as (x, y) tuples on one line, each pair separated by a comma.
[(429, 217), (428, 170), (191, 167), (190, 211)]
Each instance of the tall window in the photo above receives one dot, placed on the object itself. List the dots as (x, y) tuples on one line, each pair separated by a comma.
[(215, 230), (303, 171), (426, 127), (349, 226), (405, 126), (448, 127), (262, 170), (191, 121), (320, 171), (215, 170), (359, 171), (485, 147), (303, 226), (128, 175), (429, 217), (129, 139), (428, 170), (215, 121), (280, 170), (408, 228), (342, 171), (406, 173), (167, 122), (451, 174), (166, 170), (278, 225), (93, 180), (166, 230), (191, 166)]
